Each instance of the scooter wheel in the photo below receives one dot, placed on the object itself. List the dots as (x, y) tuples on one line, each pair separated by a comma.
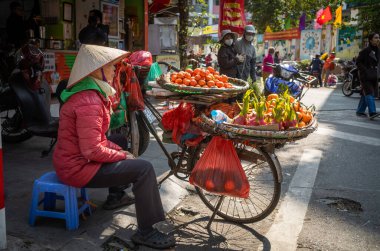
[(346, 88)]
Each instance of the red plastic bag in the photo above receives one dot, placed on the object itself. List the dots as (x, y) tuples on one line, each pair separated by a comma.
[(141, 58), (135, 100), (115, 99), (178, 120), (219, 170)]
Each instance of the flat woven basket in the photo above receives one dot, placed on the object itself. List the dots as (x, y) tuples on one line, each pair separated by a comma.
[(239, 86), (249, 133)]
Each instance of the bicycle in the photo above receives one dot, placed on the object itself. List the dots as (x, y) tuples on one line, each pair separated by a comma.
[(259, 161)]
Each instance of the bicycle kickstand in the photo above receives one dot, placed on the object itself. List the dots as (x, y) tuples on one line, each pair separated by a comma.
[(214, 213)]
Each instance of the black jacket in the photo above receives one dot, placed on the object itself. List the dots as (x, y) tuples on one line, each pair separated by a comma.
[(93, 35), (227, 61), (367, 62)]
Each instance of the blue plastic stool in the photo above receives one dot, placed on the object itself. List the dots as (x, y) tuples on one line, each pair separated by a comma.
[(53, 189)]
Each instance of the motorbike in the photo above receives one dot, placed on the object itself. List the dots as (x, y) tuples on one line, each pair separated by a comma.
[(258, 69), (25, 101), (288, 77), (351, 83)]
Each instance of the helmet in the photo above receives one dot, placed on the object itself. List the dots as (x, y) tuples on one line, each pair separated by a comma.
[(250, 29)]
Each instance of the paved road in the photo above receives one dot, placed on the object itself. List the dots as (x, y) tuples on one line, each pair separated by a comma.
[(325, 174)]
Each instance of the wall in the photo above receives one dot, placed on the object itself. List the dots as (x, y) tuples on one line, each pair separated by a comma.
[(59, 29), (348, 43)]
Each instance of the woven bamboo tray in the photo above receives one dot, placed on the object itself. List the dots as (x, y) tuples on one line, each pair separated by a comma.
[(259, 135), (239, 86)]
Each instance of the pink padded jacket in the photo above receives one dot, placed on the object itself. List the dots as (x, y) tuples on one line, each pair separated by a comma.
[(82, 145)]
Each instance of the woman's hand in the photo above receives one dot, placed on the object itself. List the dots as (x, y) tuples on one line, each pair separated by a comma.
[(129, 155)]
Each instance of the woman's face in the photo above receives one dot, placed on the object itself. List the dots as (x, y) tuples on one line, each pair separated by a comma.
[(228, 36), (109, 73), (375, 40)]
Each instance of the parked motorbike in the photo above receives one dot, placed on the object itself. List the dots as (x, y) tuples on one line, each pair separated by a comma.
[(346, 67), (288, 77), (259, 69), (25, 101), (351, 83)]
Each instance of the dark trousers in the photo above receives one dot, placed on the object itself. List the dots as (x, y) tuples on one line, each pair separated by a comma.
[(141, 174)]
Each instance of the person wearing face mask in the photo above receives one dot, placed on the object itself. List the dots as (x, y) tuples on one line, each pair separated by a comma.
[(244, 46), (368, 63), (84, 157), (228, 59)]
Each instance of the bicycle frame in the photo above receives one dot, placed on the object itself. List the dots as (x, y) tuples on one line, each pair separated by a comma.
[(183, 161)]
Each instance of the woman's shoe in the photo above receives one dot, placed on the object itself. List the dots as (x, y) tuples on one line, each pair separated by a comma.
[(154, 239), (361, 114), (117, 200), (373, 115)]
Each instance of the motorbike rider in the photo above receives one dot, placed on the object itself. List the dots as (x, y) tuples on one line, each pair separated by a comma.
[(228, 59), (84, 157), (316, 68), (244, 46), (368, 63)]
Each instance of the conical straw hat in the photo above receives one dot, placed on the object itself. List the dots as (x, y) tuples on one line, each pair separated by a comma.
[(91, 58)]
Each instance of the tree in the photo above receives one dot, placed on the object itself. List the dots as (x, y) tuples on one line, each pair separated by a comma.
[(186, 21), (274, 13), (368, 18), (183, 30)]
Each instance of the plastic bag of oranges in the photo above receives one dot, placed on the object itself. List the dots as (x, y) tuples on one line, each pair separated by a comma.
[(219, 170)]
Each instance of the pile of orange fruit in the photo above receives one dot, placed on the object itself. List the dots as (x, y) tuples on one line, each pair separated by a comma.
[(201, 77)]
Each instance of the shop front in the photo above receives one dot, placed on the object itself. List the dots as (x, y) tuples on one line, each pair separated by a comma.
[(57, 23)]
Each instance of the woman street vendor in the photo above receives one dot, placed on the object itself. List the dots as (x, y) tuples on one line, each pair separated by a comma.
[(84, 157)]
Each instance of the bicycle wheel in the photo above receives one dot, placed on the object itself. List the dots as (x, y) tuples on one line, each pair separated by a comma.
[(265, 189)]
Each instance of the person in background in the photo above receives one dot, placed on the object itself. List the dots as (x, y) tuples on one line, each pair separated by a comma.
[(84, 157), (244, 46), (228, 59), (276, 58), (316, 68), (328, 67), (267, 70), (368, 63), (95, 32), (16, 26), (208, 60), (193, 59)]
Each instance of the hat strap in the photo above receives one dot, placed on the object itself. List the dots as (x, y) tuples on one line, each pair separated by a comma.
[(103, 75)]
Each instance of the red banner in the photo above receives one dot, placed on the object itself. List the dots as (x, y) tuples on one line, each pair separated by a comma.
[(283, 35), (231, 16)]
